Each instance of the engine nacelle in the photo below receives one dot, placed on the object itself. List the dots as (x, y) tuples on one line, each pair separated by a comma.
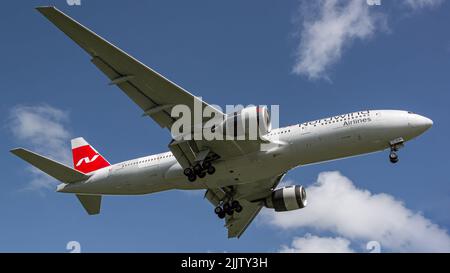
[(250, 123), (287, 198)]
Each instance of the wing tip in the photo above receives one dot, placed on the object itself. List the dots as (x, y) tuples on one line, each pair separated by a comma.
[(16, 150), (46, 9)]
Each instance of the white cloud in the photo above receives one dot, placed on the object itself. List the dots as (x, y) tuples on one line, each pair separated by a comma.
[(420, 4), (314, 244), (327, 27), (43, 128), (336, 205)]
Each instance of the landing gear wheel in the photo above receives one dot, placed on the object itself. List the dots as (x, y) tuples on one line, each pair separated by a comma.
[(206, 165), (396, 144), (236, 206), (192, 177), (198, 169), (218, 210), (393, 157), (188, 172), (201, 174), (221, 214), (228, 209), (211, 170)]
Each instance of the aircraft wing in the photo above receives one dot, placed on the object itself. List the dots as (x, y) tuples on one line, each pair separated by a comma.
[(250, 196), (238, 223), (152, 92)]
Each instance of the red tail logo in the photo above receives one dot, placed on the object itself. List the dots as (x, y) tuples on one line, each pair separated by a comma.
[(85, 158)]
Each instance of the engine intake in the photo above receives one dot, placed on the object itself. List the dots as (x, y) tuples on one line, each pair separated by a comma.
[(287, 198), (250, 123)]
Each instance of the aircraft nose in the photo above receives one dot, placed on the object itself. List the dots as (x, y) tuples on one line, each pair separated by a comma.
[(422, 123)]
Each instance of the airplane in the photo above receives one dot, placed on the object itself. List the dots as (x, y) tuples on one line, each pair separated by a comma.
[(238, 176)]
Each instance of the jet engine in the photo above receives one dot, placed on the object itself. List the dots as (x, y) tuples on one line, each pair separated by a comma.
[(249, 123), (287, 198)]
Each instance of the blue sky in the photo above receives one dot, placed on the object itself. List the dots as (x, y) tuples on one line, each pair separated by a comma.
[(392, 56)]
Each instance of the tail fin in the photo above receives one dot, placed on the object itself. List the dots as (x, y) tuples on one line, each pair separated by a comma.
[(85, 158)]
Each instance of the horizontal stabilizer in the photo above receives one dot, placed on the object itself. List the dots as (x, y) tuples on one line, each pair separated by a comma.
[(55, 169), (91, 203)]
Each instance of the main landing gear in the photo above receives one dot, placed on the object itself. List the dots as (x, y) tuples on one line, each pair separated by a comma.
[(395, 144), (199, 170), (228, 208)]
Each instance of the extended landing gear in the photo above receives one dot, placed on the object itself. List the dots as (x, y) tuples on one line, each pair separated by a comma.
[(395, 144), (236, 206), (393, 157), (199, 170), (208, 167), (228, 209), (190, 174), (220, 212)]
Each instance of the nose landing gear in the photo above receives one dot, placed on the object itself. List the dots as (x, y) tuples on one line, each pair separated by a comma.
[(395, 144), (393, 157)]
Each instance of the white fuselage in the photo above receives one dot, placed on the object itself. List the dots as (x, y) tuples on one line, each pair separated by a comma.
[(301, 144)]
